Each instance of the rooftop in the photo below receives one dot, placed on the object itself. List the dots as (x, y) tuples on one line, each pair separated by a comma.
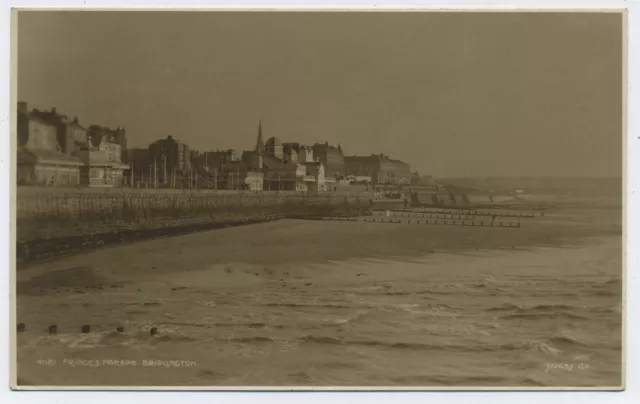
[(34, 117), (53, 117), (273, 162), (46, 156)]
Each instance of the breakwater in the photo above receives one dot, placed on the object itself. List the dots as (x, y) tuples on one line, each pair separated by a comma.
[(458, 213), (414, 221), (67, 221), (451, 200)]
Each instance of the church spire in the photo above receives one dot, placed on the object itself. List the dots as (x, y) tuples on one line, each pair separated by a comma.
[(260, 142)]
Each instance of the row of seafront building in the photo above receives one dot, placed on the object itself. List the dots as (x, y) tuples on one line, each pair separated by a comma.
[(269, 165), (57, 151)]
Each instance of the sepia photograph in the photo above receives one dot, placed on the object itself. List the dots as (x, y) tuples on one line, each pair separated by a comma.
[(305, 200)]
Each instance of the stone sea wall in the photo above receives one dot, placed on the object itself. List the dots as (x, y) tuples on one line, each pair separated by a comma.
[(444, 199), (46, 215), (50, 220)]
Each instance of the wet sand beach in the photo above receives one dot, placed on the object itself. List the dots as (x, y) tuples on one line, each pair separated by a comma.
[(318, 303)]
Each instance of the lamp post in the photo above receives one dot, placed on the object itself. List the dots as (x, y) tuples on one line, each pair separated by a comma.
[(206, 170), (164, 167), (155, 173), (222, 171)]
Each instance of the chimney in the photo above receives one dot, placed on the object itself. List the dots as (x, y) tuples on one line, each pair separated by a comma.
[(75, 119), (22, 107), (53, 110)]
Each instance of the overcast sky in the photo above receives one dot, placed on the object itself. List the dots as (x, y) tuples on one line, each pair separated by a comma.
[(454, 94)]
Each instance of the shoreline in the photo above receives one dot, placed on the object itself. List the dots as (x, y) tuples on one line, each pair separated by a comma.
[(320, 241)]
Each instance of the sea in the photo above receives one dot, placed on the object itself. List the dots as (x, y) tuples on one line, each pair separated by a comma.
[(521, 316)]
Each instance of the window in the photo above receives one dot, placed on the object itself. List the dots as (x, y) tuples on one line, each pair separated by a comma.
[(96, 173)]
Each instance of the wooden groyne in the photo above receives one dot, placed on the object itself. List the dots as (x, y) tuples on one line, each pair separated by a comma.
[(471, 223), (424, 215), (414, 221), (428, 212)]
